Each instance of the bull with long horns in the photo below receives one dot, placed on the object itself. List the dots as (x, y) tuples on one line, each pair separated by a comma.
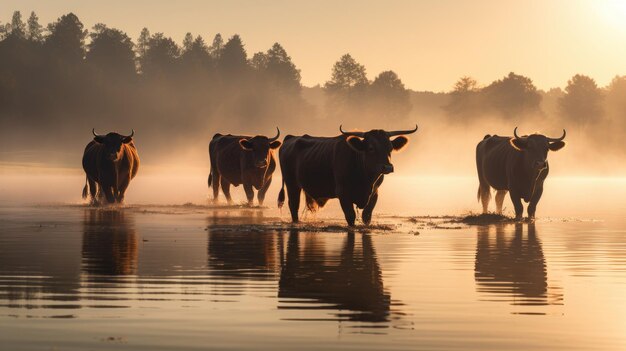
[(110, 162), (350, 167), (240, 159), (518, 165)]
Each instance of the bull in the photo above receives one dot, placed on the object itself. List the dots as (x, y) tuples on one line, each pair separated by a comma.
[(517, 165), (350, 167), (238, 159), (110, 162)]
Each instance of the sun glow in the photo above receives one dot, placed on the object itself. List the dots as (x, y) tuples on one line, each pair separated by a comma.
[(612, 12)]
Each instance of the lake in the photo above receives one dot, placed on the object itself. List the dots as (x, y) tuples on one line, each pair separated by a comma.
[(160, 277)]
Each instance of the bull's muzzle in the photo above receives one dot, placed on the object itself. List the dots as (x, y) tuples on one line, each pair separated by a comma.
[(387, 169)]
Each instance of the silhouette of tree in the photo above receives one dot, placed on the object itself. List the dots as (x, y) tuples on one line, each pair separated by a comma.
[(233, 60), (35, 30), (512, 96), (195, 52), (389, 99), (217, 46), (259, 62), (17, 28), (616, 100), (465, 100), (347, 75), (142, 42), (582, 101), (67, 38), (280, 70), (160, 56), (111, 51)]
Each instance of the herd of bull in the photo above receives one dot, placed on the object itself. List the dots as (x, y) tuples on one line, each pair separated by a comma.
[(350, 167)]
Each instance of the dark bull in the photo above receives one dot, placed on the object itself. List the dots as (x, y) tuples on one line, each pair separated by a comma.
[(239, 159), (110, 162), (350, 167), (517, 165)]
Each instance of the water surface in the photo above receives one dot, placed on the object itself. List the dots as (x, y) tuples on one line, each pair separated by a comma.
[(159, 277)]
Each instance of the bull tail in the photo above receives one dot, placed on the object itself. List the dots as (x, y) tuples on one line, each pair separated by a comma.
[(281, 196), (85, 188), (483, 194), (210, 180)]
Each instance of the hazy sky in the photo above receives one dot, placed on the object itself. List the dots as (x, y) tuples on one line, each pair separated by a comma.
[(430, 44)]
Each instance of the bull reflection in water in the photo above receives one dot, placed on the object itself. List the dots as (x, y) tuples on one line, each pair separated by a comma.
[(241, 254), (349, 281), (513, 266), (109, 243)]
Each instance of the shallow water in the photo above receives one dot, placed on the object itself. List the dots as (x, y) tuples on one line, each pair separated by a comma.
[(194, 277)]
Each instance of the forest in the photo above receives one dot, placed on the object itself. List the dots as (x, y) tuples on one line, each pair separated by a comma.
[(59, 81)]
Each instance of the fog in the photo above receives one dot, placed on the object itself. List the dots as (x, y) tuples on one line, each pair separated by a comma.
[(55, 86)]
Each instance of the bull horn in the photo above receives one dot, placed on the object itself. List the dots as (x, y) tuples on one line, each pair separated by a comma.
[(277, 135), (131, 134), (359, 134), (515, 133), (557, 139), (93, 131), (401, 132)]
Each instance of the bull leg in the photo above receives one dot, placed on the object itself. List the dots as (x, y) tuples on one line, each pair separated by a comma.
[(93, 191), (108, 193), (485, 196), (122, 191), (532, 207), (249, 193), (215, 183), (367, 211), (226, 190), (293, 192), (500, 194), (517, 204), (348, 211), (263, 190)]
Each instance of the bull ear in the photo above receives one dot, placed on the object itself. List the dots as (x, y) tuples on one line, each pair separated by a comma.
[(275, 144), (245, 144), (99, 139), (519, 144), (127, 139), (399, 142), (556, 146), (356, 143)]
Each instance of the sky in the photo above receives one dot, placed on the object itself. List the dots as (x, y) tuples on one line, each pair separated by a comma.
[(430, 44)]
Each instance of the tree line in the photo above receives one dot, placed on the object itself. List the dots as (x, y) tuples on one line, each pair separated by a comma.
[(63, 79)]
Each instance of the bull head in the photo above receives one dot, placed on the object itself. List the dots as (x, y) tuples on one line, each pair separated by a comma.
[(522, 143), (261, 147), (376, 147), (113, 143)]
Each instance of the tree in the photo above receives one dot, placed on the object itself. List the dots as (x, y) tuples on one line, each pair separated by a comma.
[(195, 49), (187, 42), (389, 99), (464, 100), (582, 101), (217, 46), (35, 30), (280, 70), (160, 55), (233, 60), (512, 96), (111, 50), (67, 38), (347, 75), (17, 27), (142, 42), (259, 62)]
